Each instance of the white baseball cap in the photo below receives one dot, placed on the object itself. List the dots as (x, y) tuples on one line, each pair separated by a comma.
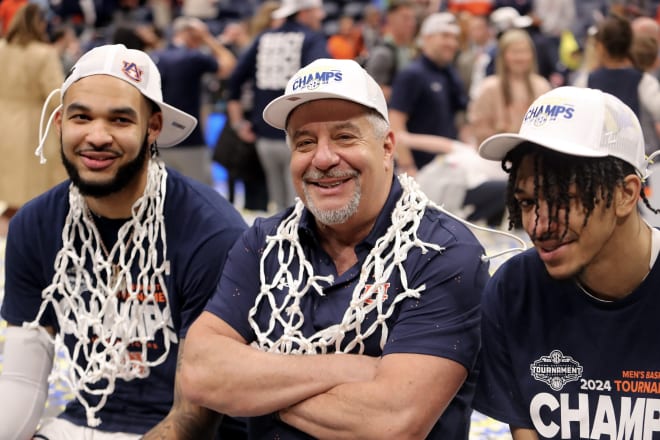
[(290, 7), (136, 68), (326, 78), (579, 122), (438, 23), (507, 17)]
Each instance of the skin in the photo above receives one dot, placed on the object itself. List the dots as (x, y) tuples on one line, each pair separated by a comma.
[(336, 395), (614, 241), (609, 255), (102, 126), (519, 58), (339, 144)]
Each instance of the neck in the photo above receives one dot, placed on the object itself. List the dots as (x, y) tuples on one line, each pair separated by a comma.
[(119, 205), (517, 76), (622, 265), (616, 63)]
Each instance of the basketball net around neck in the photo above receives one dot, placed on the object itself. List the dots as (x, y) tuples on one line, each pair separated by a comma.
[(101, 305), (388, 254)]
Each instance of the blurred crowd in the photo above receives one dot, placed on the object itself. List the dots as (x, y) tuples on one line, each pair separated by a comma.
[(454, 73)]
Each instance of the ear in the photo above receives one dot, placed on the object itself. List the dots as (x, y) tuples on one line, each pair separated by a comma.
[(627, 195), (388, 150), (154, 127), (57, 121)]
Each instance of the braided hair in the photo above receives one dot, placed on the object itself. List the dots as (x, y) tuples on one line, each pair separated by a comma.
[(595, 179)]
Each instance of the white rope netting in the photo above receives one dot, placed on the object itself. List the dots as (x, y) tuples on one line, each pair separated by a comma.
[(368, 297), (114, 306)]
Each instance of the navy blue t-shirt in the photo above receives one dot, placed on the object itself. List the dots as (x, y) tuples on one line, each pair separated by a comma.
[(566, 364), (622, 83), (430, 96), (443, 322), (273, 58), (201, 226)]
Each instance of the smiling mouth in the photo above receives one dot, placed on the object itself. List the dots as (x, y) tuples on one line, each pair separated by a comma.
[(101, 156), (328, 185), (551, 247)]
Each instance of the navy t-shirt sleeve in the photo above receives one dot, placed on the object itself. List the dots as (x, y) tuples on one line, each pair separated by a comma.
[(244, 70), (497, 393), (239, 284), (445, 320), (203, 273), (405, 90), (207, 63), (25, 275)]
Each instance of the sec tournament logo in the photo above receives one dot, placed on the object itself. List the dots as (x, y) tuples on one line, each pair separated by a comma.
[(556, 370)]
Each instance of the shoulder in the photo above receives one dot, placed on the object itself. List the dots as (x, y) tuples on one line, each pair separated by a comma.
[(190, 203), (522, 275), (489, 86), (42, 218), (264, 227), (452, 235), (540, 84)]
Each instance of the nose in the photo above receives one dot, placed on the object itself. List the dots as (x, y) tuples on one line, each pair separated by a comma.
[(98, 135), (325, 155), (541, 223)]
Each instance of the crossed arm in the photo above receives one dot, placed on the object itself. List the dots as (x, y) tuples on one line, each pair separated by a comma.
[(335, 395)]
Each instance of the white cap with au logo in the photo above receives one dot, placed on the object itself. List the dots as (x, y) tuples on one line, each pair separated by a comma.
[(326, 78), (580, 122), (138, 69)]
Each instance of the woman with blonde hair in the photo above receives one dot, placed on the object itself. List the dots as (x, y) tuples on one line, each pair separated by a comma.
[(503, 98), (30, 69)]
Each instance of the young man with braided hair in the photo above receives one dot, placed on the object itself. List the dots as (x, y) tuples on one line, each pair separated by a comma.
[(355, 313), (569, 327), (115, 263)]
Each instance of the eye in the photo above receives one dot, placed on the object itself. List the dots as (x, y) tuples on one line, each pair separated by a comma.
[(526, 204), (345, 138), (122, 120), (304, 144), (79, 117)]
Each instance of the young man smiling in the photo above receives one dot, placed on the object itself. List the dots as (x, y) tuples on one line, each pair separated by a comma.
[(565, 323), (116, 263)]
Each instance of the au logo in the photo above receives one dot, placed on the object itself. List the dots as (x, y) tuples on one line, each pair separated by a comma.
[(132, 71), (556, 370), (381, 289)]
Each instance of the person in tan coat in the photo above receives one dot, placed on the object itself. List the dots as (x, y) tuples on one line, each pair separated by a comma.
[(502, 99), (30, 68)]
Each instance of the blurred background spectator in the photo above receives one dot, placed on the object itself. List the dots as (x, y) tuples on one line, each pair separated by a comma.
[(182, 64), (30, 69), (502, 100)]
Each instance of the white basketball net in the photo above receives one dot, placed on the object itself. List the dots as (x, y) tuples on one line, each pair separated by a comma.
[(388, 254), (106, 309)]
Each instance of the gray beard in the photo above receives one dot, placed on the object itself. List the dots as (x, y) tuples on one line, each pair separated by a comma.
[(334, 216)]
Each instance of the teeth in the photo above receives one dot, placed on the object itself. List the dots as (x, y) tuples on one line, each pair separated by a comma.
[(331, 185)]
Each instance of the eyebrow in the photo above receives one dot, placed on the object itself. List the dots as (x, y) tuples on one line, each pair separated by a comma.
[(77, 107), (338, 126), (519, 191)]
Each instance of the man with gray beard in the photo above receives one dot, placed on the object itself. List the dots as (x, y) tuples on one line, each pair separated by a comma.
[(379, 288)]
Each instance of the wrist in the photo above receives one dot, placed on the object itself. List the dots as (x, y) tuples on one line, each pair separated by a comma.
[(239, 125)]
